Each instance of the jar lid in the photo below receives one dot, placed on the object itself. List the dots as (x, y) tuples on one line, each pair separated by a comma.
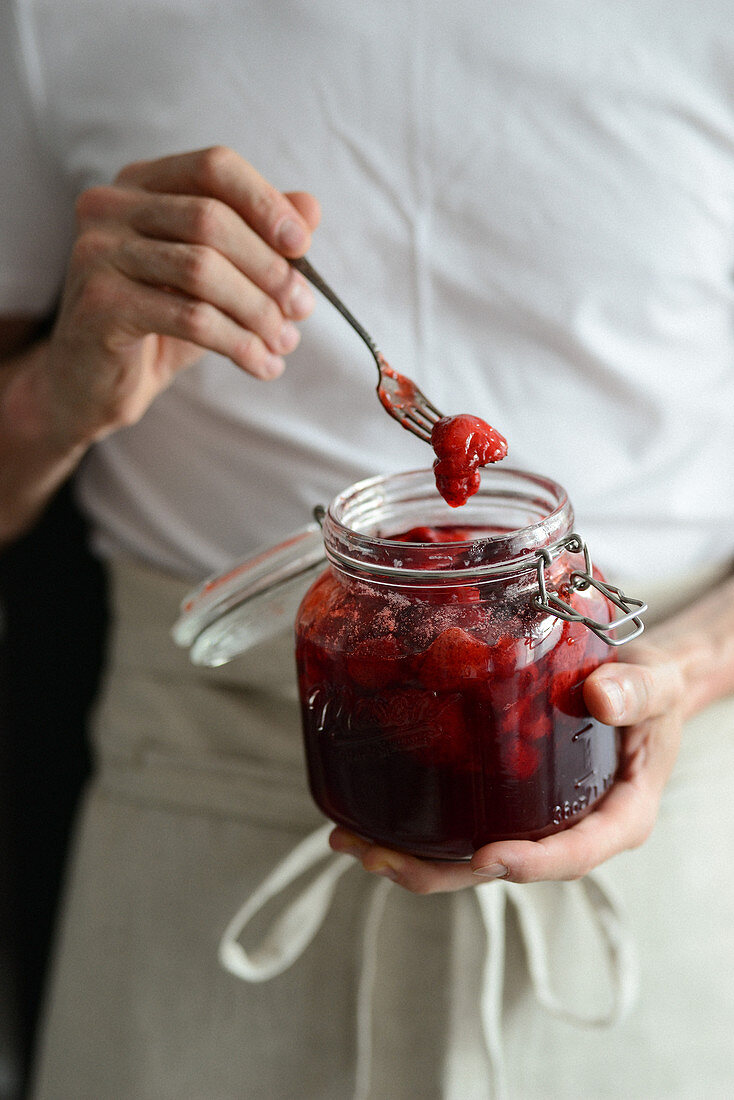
[(251, 602)]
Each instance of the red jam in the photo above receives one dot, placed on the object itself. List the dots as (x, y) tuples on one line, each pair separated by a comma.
[(463, 444), (439, 719)]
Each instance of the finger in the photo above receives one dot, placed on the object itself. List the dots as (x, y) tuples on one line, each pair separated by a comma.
[(222, 174), (195, 219), (140, 310), (623, 820), (307, 206), (419, 876), (205, 275), (623, 694)]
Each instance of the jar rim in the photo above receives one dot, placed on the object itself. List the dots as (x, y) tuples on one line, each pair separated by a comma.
[(229, 613), (521, 511)]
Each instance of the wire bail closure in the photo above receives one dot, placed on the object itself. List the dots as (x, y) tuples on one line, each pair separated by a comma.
[(580, 580)]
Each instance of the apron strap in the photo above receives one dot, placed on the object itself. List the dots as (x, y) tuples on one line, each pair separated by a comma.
[(293, 929), (492, 903), (608, 915)]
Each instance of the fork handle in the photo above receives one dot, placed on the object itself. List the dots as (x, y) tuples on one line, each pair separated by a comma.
[(301, 264)]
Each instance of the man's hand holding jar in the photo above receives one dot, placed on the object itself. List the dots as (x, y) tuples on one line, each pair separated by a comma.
[(645, 696)]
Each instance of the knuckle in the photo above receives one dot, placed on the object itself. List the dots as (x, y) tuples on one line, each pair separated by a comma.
[(196, 264), (267, 208), (211, 164), (92, 203), (196, 321), (278, 276), (205, 219), (89, 247), (251, 353), (266, 317), (99, 295), (130, 172)]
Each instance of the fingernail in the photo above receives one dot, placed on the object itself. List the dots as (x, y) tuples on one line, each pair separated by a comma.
[(290, 235), (386, 870), (301, 301), (289, 337), (272, 366), (615, 699), (492, 870), (350, 846)]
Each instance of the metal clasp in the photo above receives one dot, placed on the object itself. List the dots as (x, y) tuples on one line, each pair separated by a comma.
[(581, 579)]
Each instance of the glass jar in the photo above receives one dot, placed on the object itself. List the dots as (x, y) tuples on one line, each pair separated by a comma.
[(441, 657)]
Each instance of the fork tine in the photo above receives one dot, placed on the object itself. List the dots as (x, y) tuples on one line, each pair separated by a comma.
[(425, 425), (413, 424), (429, 409), (424, 415), (424, 436)]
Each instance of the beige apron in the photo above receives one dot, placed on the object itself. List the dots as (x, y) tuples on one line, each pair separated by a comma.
[(355, 988)]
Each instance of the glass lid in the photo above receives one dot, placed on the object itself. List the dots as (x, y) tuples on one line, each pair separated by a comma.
[(251, 602)]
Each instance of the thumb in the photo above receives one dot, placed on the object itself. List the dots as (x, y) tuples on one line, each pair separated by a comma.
[(623, 694)]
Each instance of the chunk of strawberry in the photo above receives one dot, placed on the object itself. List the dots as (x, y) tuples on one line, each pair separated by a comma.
[(535, 723), (576, 655), (506, 656), (314, 667), (524, 715), (454, 660), (518, 758), (463, 444), (452, 744)]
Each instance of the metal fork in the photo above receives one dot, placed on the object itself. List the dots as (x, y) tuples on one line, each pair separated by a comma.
[(399, 395)]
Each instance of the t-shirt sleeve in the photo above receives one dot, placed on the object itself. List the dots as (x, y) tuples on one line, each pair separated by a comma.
[(36, 206)]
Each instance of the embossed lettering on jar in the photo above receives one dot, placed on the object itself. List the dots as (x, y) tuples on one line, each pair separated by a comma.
[(442, 708)]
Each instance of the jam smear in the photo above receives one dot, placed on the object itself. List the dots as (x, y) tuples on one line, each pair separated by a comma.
[(463, 444), (402, 394), (438, 721)]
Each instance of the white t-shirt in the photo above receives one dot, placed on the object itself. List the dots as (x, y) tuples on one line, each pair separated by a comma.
[(530, 206)]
